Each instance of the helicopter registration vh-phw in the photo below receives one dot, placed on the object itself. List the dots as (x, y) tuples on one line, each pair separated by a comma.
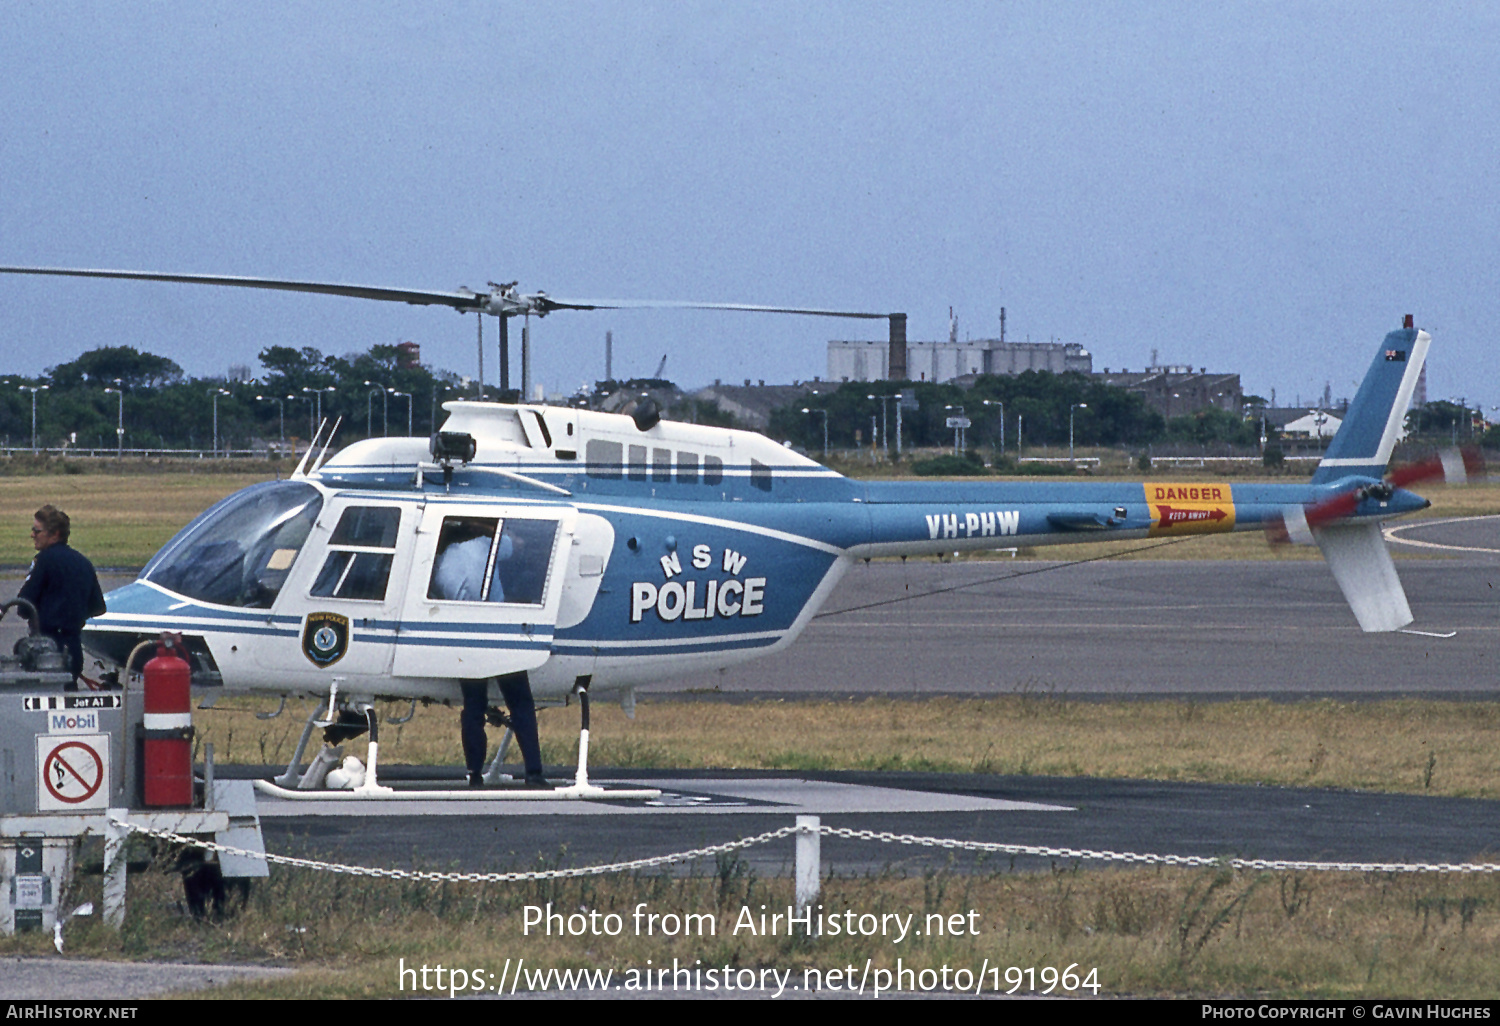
[(537, 552)]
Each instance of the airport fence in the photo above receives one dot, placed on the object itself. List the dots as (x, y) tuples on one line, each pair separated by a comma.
[(809, 830)]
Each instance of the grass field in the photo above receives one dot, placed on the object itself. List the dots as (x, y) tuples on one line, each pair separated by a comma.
[(1146, 932), (119, 520)]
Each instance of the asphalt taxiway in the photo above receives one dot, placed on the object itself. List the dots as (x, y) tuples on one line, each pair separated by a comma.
[(709, 807)]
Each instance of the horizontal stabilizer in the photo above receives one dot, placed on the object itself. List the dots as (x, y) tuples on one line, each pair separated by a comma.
[(1362, 565)]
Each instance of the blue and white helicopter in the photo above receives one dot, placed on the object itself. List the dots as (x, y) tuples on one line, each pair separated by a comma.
[(586, 553)]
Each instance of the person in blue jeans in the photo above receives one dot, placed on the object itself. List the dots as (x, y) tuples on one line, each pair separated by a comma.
[(515, 688)]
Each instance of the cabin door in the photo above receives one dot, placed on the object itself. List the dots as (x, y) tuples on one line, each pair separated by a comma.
[(483, 594)]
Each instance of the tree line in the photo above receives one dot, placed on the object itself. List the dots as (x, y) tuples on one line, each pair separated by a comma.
[(81, 403), (1037, 408)]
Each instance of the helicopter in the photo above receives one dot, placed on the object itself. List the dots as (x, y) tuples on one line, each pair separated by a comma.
[(584, 553)]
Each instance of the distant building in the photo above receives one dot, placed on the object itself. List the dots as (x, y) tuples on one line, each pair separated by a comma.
[(852, 360), (1301, 422), (751, 405), (1176, 390)]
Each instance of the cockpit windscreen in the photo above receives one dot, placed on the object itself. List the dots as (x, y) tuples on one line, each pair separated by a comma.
[(239, 552)]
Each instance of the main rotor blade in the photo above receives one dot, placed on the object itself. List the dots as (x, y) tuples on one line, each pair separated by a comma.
[(553, 303), (417, 297), (508, 304)]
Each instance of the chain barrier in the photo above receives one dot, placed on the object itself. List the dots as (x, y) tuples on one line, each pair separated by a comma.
[(1190, 861), (436, 877), (883, 837)]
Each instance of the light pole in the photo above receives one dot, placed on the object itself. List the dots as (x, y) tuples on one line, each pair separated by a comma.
[(120, 421), (807, 409), (318, 395), (307, 399), (885, 438), (1319, 418), (958, 428), (1075, 406), (385, 410), (392, 391), (216, 392), (33, 389), (997, 402), (281, 404)]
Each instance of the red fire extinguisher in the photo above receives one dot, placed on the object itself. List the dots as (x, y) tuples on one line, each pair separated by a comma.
[(168, 763)]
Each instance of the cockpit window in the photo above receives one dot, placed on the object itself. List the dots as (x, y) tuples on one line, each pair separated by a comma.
[(239, 552)]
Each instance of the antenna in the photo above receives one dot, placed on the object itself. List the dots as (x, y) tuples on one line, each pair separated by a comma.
[(323, 456), (302, 464)]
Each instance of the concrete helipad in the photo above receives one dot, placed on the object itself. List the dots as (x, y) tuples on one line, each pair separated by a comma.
[(779, 796)]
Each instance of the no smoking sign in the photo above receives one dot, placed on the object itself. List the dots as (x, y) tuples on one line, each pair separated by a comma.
[(72, 772)]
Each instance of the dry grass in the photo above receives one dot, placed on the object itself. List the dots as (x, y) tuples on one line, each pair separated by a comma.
[(1172, 932), (119, 519), (1422, 747)]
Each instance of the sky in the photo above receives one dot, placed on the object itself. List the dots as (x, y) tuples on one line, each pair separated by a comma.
[(1262, 188)]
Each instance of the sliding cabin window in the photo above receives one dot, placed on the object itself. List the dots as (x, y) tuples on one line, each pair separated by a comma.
[(478, 560), (360, 554)]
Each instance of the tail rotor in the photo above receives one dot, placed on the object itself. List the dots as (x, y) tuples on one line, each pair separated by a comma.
[(1452, 466)]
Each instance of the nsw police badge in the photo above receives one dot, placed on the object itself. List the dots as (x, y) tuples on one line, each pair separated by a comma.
[(325, 638)]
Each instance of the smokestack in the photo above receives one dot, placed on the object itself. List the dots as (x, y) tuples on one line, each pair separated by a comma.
[(896, 365), (609, 356)]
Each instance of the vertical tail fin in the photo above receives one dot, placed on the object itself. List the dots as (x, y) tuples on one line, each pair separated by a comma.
[(1368, 434)]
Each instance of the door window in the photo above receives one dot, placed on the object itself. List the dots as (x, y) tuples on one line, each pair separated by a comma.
[(360, 554), (482, 559)]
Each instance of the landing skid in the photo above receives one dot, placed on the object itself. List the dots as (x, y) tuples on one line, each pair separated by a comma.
[(308, 786), (572, 792)]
